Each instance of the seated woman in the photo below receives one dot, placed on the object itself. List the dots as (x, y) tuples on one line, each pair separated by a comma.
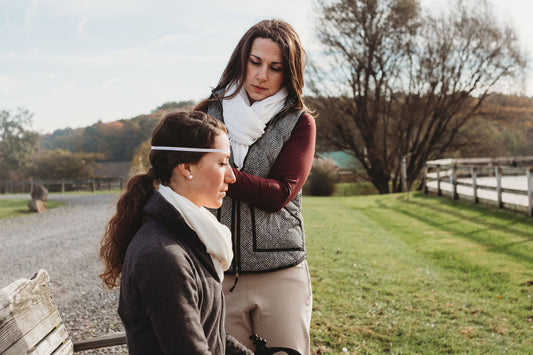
[(169, 252)]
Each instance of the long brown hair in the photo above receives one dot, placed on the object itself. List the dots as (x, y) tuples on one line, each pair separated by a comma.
[(179, 129), (294, 57)]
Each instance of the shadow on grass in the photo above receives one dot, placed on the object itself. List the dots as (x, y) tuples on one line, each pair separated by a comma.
[(456, 207), (474, 235)]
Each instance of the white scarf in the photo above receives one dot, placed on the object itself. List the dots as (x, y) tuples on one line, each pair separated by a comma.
[(246, 123), (215, 236)]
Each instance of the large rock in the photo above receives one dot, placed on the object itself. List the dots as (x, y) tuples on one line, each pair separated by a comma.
[(39, 192), (36, 206)]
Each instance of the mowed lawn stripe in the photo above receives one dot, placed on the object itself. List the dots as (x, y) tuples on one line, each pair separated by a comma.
[(424, 276)]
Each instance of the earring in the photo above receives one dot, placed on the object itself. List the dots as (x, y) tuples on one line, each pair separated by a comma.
[(189, 177)]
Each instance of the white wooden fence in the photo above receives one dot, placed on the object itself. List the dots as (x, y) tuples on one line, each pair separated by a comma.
[(62, 185), (503, 182)]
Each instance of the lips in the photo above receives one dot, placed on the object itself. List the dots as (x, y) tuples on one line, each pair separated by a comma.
[(259, 88)]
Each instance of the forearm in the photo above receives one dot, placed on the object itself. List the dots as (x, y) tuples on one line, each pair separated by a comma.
[(287, 175)]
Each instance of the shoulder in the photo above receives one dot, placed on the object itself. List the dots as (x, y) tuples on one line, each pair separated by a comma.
[(215, 96), (157, 249), (306, 122), (157, 239), (306, 119)]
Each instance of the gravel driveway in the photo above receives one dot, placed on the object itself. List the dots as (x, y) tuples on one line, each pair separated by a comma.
[(65, 241)]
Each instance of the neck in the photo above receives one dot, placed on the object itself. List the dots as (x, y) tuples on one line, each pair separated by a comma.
[(250, 99)]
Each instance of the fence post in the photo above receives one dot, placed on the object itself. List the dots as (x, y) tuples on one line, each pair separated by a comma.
[(404, 173), (473, 173), (453, 182), (439, 191), (425, 179), (498, 171), (530, 191)]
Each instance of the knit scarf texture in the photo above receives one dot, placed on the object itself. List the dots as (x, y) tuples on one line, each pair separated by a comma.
[(215, 236), (246, 123)]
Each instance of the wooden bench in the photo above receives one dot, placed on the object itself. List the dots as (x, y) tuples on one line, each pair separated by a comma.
[(30, 322)]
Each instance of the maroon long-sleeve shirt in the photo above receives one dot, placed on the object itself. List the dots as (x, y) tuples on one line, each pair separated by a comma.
[(287, 175)]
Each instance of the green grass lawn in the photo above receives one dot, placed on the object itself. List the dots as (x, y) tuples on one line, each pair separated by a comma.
[(355, 189), (17, 207), (426, 276)]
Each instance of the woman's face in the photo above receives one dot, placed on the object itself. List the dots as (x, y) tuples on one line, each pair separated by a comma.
[(211, 176), (264, 70)]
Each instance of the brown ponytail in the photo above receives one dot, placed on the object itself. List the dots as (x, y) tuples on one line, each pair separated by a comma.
[(123, 226)]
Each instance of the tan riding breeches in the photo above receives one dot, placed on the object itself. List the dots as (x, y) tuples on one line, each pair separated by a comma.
[(276, 305)]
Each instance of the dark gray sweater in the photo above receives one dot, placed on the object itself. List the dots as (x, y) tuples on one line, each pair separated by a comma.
[(171, 299)]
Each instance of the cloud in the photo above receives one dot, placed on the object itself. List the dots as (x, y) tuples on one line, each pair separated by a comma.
[(81, 26), (8, 84), (30, 16), (169, 39), (110, 82)]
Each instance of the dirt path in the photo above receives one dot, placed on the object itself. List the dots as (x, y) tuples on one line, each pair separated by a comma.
[(65, 241)]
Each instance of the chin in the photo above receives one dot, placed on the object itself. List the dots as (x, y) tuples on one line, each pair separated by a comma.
[(214, 205)]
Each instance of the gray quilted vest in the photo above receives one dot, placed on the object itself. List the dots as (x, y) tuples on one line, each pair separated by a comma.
[(264, 241)]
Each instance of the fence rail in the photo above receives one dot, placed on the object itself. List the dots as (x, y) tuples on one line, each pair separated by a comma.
[(62, 185), (483, 181)]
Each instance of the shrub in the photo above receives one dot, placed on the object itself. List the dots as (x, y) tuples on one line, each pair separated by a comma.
[(322, 179)]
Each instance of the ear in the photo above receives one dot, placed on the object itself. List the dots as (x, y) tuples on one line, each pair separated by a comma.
[(184, 169)]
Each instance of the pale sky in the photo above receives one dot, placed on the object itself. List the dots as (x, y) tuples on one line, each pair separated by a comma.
[(74, 62)]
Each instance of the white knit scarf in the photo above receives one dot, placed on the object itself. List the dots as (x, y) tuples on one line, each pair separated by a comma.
[(246, 123), (215, 236)]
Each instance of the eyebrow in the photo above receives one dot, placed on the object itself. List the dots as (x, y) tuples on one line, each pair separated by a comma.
[(253, 55)]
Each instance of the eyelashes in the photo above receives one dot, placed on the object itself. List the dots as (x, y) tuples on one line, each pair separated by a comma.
[(257, 63)]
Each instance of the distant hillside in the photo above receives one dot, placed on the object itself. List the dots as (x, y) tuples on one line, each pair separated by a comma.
[(116, 140), (504, 127)]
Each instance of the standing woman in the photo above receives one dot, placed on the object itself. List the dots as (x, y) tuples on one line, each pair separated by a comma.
[(169, 252), (272, 136)]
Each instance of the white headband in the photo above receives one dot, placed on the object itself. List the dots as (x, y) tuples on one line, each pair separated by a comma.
[(186, 149)]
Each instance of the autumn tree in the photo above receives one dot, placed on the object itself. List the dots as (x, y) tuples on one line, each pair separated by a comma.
[(18, 143), (140, 163), (397, 81), (62, 164), (116, 141)]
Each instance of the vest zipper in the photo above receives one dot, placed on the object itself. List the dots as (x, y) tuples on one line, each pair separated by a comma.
[(235, 242)]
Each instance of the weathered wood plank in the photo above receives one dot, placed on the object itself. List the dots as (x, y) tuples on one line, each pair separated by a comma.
[(35, 335), (27, 314), (65, 349), (31, 324), (53, 341)]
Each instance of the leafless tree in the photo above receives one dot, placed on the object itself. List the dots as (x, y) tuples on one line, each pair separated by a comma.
[(396, 81)]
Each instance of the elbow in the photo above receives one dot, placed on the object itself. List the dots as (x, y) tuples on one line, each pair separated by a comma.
[(274, 207), (275, 204)]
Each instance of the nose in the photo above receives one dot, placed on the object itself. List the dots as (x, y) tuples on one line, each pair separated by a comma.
[(229, 177), (262, 73)]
